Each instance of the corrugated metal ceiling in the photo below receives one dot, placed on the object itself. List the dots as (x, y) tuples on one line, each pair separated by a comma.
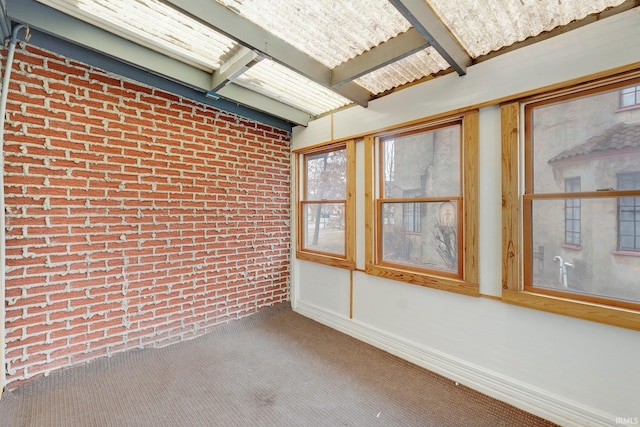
[(175, 34), (330, 31), (483, 26), (316, 56), (423, 63), (277, 81)]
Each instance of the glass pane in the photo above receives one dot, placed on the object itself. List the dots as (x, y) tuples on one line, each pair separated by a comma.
[(572, 184), (323, 228), (627, 203), (626, 243), (628, 99), (587, 138), (626, 214), (626, 181), (431, 243), (428, 161), (327, 175), (595, 268), (569, 225), (626, 228), (629, 95), (569, 213)]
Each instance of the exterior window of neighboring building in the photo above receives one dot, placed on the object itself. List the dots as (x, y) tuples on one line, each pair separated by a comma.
[(629, 214), (411, 215), (560, 136), (572, 213), (423, 204), (325, 204), (630, 96)]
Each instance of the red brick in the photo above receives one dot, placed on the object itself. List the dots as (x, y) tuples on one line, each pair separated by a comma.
[(188, 191)]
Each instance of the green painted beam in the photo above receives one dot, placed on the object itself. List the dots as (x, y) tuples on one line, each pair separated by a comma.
[(78, 32), (257, 38), (234, 67), (427, 23), (386, 53)]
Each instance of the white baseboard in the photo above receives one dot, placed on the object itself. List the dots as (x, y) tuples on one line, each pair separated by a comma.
[(557, 409)]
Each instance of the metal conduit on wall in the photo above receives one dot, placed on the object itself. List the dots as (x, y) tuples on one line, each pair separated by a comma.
[(3, 108)]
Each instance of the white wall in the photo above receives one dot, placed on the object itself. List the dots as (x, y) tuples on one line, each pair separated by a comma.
[(568, 370)]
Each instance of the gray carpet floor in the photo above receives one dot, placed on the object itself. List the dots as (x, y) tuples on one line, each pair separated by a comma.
[(274, 368)]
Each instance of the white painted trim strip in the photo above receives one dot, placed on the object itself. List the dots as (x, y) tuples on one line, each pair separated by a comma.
[(517, 393)]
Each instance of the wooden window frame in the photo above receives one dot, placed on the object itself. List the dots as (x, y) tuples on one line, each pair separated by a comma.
[(467, 281), (516, 200), (347, 260)]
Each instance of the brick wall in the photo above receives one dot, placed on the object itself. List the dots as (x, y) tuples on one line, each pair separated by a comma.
[(134, 217)]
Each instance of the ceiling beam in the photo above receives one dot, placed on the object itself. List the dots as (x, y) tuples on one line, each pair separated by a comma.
[(109, 64), (427, 23), (66, 27), (263, 103), (401, 46), (78, 32), (237, 65), (257, 38)]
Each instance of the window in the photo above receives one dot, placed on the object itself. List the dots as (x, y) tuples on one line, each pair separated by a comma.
[(325, 217), (630, 96), (411, 212), (422, 196), (571, 133), (572, 213), (629, 214)]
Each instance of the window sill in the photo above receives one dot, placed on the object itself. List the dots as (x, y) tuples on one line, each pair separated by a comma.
[(435, 282), (570, 247), (621, 317), (627, 108), (626, 253), (326, 259)]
